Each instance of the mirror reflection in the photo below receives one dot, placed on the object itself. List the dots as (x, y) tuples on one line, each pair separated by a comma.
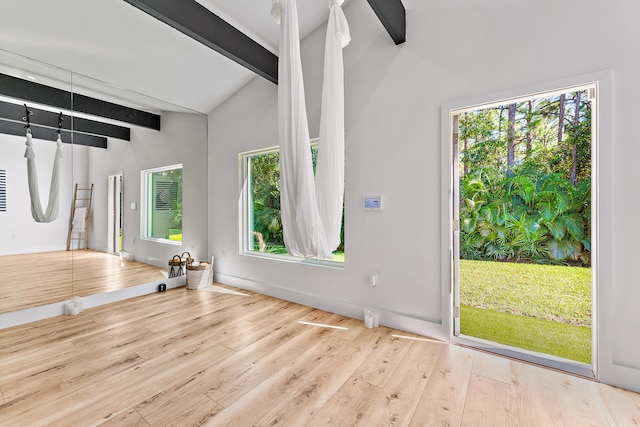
[(40, 269), (97, 242)]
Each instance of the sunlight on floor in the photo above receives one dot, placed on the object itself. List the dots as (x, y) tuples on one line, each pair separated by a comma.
[(323, 325), (414, 338), (221, 290)]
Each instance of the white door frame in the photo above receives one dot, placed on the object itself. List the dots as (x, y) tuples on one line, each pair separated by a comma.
[(450, 218), (114, 211)]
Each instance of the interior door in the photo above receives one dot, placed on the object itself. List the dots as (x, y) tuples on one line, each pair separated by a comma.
[(114, 206)]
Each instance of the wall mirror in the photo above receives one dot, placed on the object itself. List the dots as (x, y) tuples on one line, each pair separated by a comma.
[(93, 245), (40, 269)]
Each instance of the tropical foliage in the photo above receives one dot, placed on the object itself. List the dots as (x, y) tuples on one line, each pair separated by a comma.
[(175, 175), (525, 186), (164, 187), (265, 195)]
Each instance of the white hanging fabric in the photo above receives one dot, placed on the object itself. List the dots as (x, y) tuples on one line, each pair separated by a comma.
[(330, 163), (54, 190), (311, 212)]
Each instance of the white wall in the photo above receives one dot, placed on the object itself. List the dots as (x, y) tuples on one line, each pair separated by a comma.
[(183, 139), (394, 94), (19, 232)]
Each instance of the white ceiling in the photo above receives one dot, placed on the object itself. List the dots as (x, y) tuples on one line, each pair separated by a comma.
[(118, 52)]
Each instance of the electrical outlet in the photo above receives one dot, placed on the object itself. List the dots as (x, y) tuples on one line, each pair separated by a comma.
[(373, 280)]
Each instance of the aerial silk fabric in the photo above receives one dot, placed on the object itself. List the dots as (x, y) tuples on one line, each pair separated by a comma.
[(54, 190), (311, 211), (330, 163)]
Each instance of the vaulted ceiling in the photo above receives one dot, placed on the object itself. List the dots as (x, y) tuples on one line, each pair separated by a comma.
[(118, 51)]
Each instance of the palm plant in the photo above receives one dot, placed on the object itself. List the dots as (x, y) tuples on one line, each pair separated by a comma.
[(531, 218)]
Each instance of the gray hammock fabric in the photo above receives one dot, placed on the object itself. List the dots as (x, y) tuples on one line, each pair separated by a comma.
[(54, 190)]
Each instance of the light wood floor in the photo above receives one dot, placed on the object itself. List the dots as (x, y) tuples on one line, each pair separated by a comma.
[(32, 280), (186, 358)]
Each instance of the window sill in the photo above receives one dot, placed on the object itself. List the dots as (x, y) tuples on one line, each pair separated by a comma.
[(296, 260), (165, 241)]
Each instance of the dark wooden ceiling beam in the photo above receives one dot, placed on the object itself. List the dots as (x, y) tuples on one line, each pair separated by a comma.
[(109, 110), (392, 14), (49, 134), (101, 129), (199, 23), (28, 91), (15, 112)]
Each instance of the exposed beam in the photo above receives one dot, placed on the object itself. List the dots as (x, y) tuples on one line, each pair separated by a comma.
[(49, 134), (29, 91), (199, 23), (98, 107), (101, 129), (393, 16), (15, 112)]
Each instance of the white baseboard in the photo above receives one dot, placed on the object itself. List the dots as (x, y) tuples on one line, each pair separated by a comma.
[(387, 318), (620, 376)]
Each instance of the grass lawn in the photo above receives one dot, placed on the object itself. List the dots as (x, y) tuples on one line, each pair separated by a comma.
[(175, 234), (536, 307), (544, 336)]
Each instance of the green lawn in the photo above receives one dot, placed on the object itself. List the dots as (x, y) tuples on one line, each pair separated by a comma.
[(536, 307), (544, 336), (175, 234)]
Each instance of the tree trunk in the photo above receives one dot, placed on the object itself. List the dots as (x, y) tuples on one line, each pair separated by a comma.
[(529, 132), (466, 144), (574, 148), (561, 118), (511, 140)]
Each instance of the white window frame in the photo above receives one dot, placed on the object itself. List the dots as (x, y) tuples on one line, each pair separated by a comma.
[(245, 220), (144, 204)]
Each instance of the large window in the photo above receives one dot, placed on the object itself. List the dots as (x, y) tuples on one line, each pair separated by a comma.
[(261, 223), (162, 204)]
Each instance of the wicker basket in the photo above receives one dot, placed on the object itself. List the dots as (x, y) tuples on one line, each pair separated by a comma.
[(176, 266), (198, 276)]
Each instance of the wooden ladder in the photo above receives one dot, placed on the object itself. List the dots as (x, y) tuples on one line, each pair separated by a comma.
[(83, 204)]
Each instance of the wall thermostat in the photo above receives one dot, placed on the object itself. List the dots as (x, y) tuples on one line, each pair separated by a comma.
[(373, 203)]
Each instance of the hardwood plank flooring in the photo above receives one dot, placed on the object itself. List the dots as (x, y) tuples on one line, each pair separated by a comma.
[(32, 280), (187, 358)]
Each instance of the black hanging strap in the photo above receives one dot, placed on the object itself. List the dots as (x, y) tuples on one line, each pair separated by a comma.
[(27, 118), (60, 119)]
